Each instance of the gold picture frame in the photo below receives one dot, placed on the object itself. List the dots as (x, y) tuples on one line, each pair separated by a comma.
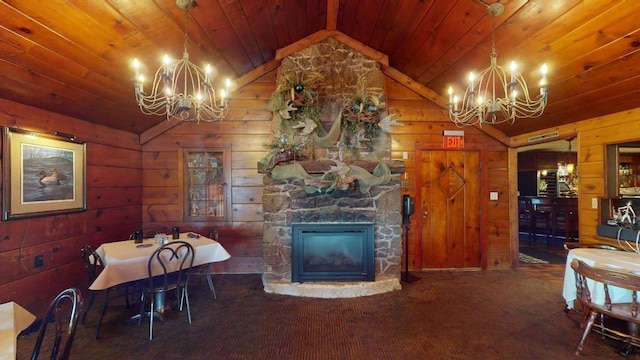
[(42, 174)]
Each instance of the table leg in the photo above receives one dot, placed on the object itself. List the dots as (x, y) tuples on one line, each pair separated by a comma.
[(160, 302), (158, 309)]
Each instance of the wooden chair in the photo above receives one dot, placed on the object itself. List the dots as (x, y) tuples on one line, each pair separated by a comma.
[(64, 312), (94, 264), (587, 279), (174, 259)]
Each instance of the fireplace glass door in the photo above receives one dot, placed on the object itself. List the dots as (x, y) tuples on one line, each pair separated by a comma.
[(332, 252)]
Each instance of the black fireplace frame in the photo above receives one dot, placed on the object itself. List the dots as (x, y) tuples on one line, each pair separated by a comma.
[(363, 231)]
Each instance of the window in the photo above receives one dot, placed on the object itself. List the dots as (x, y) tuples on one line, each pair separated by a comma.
[(207, 182)]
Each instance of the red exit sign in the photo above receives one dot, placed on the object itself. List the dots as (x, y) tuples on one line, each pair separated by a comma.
[(453, 142)]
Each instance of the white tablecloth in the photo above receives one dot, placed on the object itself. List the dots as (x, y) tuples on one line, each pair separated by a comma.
[(124, 261), (618, 260), (13, 319)]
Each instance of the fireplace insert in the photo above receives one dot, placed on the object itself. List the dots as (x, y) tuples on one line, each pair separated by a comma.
[(333, 252)]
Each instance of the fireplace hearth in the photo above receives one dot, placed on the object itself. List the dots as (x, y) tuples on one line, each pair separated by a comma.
[(332, 252)]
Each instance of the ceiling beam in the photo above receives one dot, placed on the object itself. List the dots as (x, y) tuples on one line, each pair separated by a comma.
[(332, 14)]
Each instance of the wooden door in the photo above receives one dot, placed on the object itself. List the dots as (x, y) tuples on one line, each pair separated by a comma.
[(449, 209)]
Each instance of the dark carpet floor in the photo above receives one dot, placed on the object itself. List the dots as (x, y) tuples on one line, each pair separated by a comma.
[(509, 314)]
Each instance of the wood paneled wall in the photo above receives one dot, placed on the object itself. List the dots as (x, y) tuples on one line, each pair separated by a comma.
[(593, 136), (245, 131), (114, 195), (423, 125)]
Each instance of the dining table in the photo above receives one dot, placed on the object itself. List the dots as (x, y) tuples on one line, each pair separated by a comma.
[(13, 319), (612, 259), (126, 261)]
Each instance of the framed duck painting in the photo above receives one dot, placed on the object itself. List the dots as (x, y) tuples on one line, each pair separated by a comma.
[(42, 174)]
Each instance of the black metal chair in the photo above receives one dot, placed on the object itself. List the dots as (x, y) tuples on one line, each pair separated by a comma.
[(204, 271), (168, 270), (94, 264), (64, 312)]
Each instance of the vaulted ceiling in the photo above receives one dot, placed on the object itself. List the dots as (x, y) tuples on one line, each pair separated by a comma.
[(74, 57)]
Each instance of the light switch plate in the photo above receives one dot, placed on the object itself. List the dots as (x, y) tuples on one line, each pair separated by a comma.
[(594, 203), (493, 195)]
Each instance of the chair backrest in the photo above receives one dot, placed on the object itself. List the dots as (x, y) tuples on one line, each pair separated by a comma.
[(524, 206), (93, 263), (606, 278), (63, 311), (542, 204), (169, 264)]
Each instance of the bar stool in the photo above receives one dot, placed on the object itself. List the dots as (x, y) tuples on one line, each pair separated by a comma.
[(542, 214)]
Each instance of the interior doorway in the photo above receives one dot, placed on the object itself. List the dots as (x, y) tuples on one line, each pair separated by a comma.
[(547, 175)]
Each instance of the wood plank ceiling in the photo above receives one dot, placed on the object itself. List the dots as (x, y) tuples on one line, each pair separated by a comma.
[(74, 57)]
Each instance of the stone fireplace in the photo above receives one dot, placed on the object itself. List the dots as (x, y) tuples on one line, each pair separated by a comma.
[(329, 165), (286, 203)]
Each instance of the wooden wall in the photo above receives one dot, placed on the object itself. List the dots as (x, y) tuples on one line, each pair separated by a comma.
[(114, 195), (131, 186), (593, 135), (423, 126), (246, 129)]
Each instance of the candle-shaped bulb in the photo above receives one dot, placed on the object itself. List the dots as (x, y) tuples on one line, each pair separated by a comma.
[(543, 81), (472, 78), (543, 70), (450, 94), (455, 103), (513, 71), (136, 66), (223, 95), (207, 71), (166, 60)]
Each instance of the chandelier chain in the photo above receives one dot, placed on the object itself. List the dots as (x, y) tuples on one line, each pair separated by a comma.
[(186, 28)]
